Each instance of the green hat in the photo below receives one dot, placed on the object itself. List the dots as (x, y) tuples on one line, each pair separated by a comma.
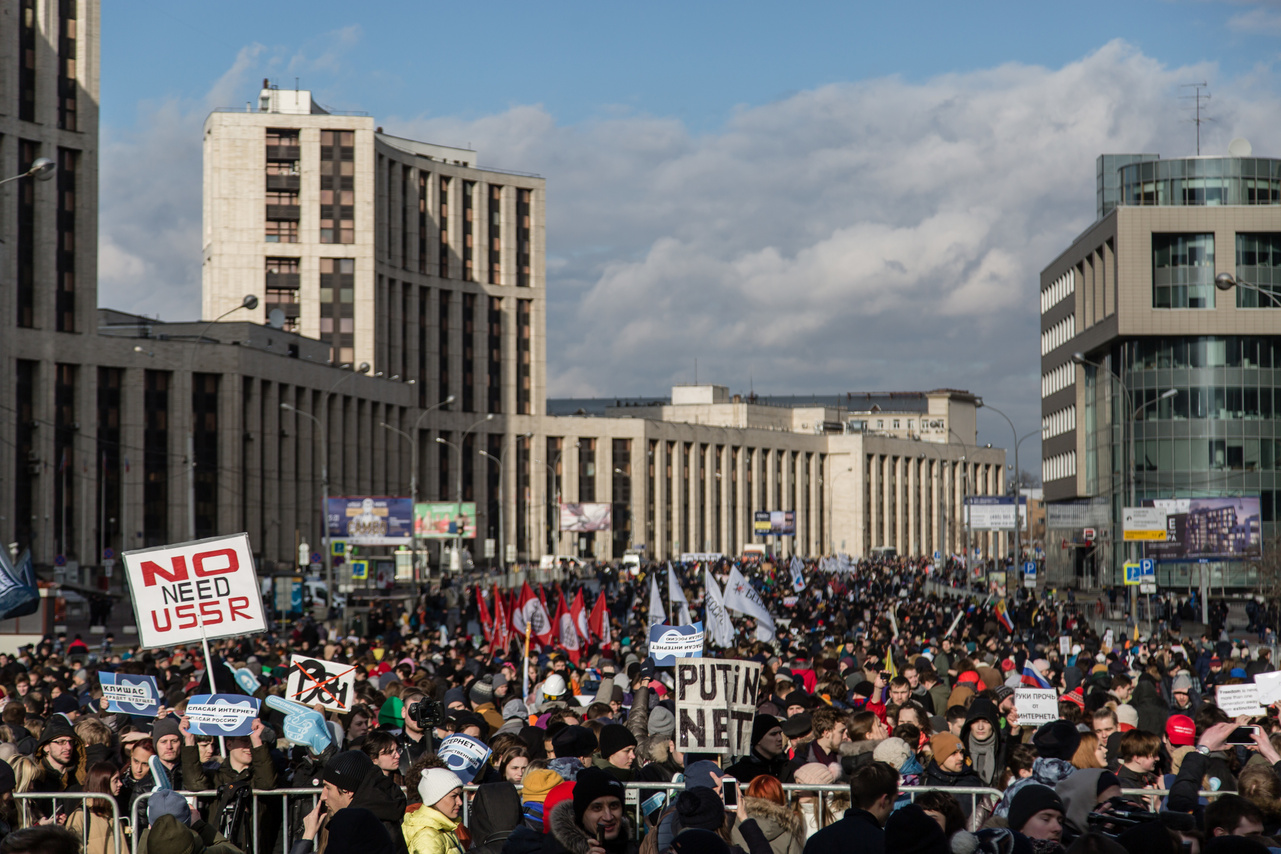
[(391, 714)]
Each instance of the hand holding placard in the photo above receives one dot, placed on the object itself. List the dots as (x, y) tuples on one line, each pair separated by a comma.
[(303, 725)]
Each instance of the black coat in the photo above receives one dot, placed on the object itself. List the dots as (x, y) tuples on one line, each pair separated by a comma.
[(857, 832), (936, 776), (378, 794), (753, 765)]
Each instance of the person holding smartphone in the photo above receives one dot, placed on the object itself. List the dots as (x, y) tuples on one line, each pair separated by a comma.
[(593, 821)]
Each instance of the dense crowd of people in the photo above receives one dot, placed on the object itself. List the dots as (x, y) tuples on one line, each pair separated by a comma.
[(887, 720)]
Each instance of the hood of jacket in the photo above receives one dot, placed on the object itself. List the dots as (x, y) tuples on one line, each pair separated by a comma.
[(981, 709), (775, 820), (378, 794), (566, 830), (1079, 794), (495, 812)]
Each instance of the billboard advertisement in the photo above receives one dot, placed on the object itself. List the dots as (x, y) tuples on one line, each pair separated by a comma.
[(370, 521), (1208, 527), (586, 517), (778, 523), (994, 512), (445, 520)]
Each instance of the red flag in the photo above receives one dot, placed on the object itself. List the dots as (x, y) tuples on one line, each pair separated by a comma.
[(529, 610), (578, 610), (542, 597), (566, 633), (502, 623), (486, 621), (599, 621)]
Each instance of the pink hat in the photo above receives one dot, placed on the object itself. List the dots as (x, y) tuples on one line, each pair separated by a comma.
[(814, 774)]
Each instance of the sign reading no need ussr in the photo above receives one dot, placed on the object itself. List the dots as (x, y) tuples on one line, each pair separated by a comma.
[(201, 588)]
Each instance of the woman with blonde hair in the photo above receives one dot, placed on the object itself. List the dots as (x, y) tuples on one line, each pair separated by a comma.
[(25, 773)]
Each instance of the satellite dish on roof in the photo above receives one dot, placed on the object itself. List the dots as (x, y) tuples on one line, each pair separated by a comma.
[(1240, 147), (276, 318)]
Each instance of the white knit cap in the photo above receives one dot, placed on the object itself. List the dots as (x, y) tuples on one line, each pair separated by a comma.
[(436, 783)]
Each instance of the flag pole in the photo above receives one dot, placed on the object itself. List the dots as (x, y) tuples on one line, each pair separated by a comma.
[(528, 624)]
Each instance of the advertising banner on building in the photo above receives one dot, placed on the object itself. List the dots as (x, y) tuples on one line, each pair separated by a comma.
[(371, 521), (1208, 527), (444, 520), (586, 517), (994, 512), (1078, 515), (715, 705), (776, 523), (204, 588)]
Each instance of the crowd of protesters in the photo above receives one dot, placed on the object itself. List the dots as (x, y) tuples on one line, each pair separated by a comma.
[(887, 721)]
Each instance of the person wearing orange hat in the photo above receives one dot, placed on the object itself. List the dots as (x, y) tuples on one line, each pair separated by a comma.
[(950, 767)]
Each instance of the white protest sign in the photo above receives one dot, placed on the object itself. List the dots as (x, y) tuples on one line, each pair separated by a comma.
[(205, 588), (1269, 685), (1065, 646), (1036, 706), (668, 643), (1238, 699), (314, 681), (1107, 639), (715, 705)]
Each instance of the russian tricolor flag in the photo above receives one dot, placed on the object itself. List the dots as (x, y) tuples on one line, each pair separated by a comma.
[(1003, 618), (1032, 679)]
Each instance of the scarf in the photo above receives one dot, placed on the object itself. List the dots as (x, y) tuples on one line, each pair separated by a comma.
[(984, 755)]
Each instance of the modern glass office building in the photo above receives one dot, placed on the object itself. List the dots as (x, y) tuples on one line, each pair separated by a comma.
[(1159, 386)]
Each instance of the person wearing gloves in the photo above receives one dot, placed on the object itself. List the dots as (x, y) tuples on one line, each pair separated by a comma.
[(767, 756), (1037, 813), (433, 827)]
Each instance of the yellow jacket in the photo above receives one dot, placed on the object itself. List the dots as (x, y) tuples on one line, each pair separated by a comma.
[(428, 831)]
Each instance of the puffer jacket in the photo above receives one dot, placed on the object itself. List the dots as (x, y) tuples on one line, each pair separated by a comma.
[(783, 827), (428, 831), (1046, 771)]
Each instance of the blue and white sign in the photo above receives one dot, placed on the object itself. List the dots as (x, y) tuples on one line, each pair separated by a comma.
[(668, 643), (994, 512), (1029, 573), (221, 714), (130, 694), (1147, 575), (465, 756), (938, 555)]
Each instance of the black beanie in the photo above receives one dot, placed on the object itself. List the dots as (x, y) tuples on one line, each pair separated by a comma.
[(593, 783), (1233, 845), (1106, 781), (1029, 801), (910, 830), (1056, 740), (700, 808), (613, 738), (761, 725), (348, 769), (574, 741)]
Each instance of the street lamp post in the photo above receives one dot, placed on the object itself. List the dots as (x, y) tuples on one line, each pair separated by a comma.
[(42, 169), (502, 481), (458, 480), (1226, 281), (249, 302), (1018, 540), (413, 475)]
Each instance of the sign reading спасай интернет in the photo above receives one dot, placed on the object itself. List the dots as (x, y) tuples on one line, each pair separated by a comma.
[(715, 704)]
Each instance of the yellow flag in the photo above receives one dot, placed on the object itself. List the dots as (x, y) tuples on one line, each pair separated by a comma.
[(889, 663)]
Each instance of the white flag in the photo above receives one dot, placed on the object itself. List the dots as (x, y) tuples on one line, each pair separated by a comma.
[(720, 629), (656, 613), (742, 597), (798, 574), (677, 597)]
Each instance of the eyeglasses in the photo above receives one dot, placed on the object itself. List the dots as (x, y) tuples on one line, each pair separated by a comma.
[(61, 742)]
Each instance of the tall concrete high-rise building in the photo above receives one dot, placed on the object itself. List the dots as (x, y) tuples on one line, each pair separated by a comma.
[(1156, 385), (399, 253)]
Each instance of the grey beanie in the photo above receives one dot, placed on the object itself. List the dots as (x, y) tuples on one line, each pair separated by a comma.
[(662, 722), (515, 709), (168, 802)]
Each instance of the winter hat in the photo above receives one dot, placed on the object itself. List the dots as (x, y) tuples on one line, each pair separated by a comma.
[(514, 709), (534, 738), (593, 783), (698, 775), (943, 745), (391, 714), (575, 740), (1127, 717), (1181, 730), (700, 808), (57, 727), (168, 802), (1076, 695), (798, 726), (560, 793), (816, 774), (348, 769), (910, 831), (613, 738), (894, 751), (482, 691), (1029, 801), (454, 695), (1181, 684), (662, 722), (699, 841), (1106, 781), (1056, 740), (168, 725), (1003, 693), (761, 725), (168, 836), (8, 780), (537, 783), (436, 783), (554, 686), (862, 688)]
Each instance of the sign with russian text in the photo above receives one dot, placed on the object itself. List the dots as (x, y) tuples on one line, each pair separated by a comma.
[(668, 643), (715, 705), (130, 694), (204, 588), (465, 756), (221, 714), (1036, 706), (1238, 699), (1143, 523), (328, 683)]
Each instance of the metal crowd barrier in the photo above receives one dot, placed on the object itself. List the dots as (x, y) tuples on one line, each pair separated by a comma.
[(138, 810), (86, 817)]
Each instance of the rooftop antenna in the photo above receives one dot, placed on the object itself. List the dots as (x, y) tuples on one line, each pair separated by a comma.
[(695, 370), (1198, 97), (297, 83)]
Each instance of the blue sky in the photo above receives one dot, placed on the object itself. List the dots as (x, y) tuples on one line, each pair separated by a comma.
[(813, 197)]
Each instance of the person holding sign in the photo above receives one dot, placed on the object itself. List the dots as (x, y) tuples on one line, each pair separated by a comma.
[(248, 765)]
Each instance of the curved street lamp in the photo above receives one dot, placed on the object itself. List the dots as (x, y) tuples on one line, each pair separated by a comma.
[(42, 169), (1226, 282)]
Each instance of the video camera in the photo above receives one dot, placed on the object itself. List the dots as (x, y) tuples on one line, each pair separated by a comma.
[(1117, 815), (427, 713)]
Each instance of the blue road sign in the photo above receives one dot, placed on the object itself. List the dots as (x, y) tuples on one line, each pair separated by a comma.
[(60, 560), (1029, 567)]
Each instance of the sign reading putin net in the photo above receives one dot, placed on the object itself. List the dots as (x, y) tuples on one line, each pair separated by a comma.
[(715, 705), (204, 588)]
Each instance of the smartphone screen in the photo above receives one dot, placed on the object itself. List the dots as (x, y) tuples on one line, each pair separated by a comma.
[(729, 792), (1242, 735)]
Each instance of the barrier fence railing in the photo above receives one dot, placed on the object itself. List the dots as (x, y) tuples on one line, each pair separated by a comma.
[(139, 809), (86, 815)]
